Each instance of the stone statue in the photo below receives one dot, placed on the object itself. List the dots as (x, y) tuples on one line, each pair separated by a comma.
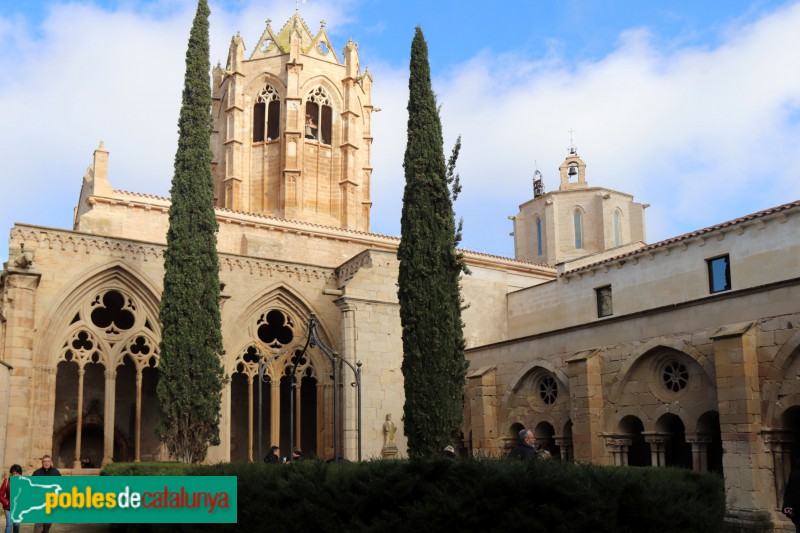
[(389, 429)]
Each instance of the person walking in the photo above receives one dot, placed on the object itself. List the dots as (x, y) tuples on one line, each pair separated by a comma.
[(5, 498), (47, 469)]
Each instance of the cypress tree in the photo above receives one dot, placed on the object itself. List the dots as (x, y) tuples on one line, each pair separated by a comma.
[(433, 367), (190, 371)]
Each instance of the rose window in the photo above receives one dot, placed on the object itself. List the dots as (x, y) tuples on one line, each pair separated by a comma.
[(675, 376), (548, 390)]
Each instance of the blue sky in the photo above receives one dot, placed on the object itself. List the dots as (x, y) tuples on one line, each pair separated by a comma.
[(690, 106)]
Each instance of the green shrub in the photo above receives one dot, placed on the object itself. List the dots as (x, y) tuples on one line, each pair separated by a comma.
[(467, 495)]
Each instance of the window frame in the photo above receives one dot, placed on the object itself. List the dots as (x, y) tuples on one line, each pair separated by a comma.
[(710, 262), (598, 294)]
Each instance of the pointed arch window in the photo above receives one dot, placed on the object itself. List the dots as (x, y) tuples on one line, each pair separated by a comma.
[(539, 236), (578, 223), (319, 116), (617, 222), (267, 115)]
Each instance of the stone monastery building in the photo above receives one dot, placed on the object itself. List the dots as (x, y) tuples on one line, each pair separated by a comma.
[(678, 353)]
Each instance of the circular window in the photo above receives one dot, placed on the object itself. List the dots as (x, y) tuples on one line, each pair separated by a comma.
[(548, 390), (675, 376)]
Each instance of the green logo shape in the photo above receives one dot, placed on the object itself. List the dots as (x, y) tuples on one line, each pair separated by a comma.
[(123, 499)]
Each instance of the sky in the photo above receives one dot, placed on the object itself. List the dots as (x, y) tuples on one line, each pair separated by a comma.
[(691, 106)]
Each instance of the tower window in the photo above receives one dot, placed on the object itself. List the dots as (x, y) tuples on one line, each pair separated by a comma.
[(539, 236), (319, 116), (617, 240), (267, 115), (719, 274), (578, 229)]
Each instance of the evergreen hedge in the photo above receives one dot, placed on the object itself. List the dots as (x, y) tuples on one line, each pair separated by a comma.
[(465, 495)]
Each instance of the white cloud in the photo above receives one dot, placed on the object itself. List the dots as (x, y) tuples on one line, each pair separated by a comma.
[(703, 135)]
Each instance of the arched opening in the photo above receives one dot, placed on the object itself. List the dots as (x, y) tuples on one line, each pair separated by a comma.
[(267, 115), (790, 422), (577, 219), (711, 438), (67, 411), (538, 236), (308, 416), (242, 447), (319, 116), (639, 449), (545, 440), (512, 439), (566, 439), (677, 452)]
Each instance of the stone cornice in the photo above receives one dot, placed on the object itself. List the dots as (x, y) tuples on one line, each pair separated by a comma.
[(71, 241)]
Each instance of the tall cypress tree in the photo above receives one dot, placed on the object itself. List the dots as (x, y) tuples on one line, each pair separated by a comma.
[(190, 371), (430, 301)]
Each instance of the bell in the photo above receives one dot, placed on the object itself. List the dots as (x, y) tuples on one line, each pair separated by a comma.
[(573, 170)]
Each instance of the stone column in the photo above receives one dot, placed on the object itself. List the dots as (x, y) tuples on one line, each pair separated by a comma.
[(297, 413), (618, 444), (347, 394), (108, 415), (658, 451), (30, 408), (699, 451), (748, 481), (565, 446), (250, 419), (275, 413), (587, 395), (79, 424)]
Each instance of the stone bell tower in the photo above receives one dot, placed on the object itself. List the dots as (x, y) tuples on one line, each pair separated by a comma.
[(292, 129), (576, 220)]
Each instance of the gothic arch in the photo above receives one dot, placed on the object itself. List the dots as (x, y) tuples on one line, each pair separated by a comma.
[(556, 414), (114, 275), (519, 378), (321, 81), (257, 83), (241, 327)]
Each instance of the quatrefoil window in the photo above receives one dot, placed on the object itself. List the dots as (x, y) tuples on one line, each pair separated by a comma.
[(275, 330), (548, 390), (675, 376), (113, 315)]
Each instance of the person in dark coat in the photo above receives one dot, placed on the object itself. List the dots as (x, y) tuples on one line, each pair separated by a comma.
[(274, 456), (791, 496), (525, 448), (47, 469)]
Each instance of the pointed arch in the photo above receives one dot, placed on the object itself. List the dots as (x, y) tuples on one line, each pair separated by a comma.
[(114, 275), (243, 327)]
